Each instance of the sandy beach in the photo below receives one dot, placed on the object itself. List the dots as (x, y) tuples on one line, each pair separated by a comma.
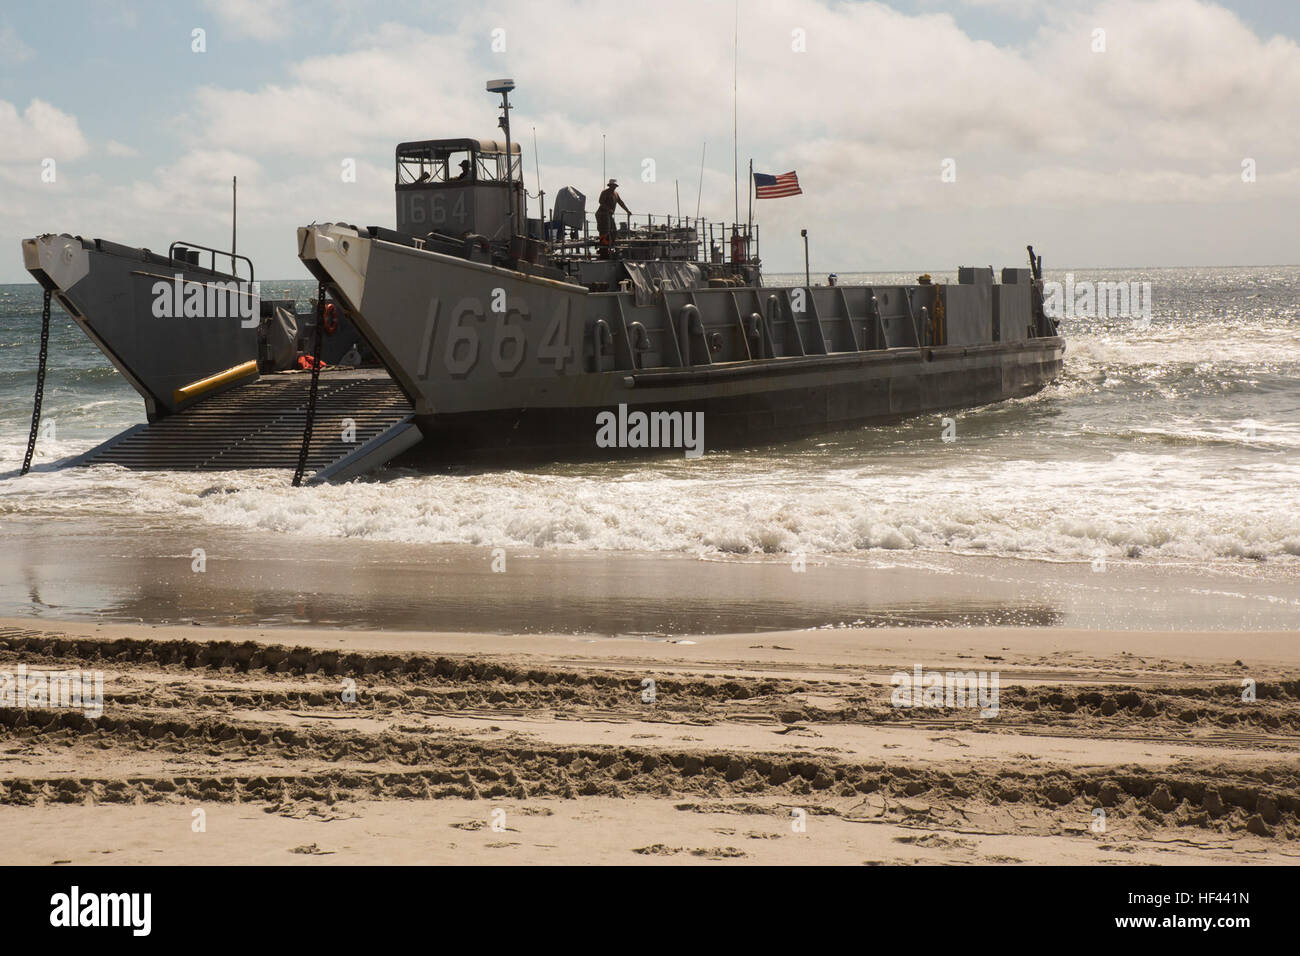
[(773, 747)]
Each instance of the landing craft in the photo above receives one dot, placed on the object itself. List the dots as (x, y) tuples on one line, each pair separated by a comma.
[(472, 333)]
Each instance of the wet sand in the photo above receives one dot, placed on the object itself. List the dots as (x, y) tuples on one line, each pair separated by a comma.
[(772, 747), (94, 569)]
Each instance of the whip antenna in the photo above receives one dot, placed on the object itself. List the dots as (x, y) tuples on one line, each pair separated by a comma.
[(699, 192), (735, 116)]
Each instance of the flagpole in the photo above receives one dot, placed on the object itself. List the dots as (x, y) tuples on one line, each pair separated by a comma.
[(749, 223)]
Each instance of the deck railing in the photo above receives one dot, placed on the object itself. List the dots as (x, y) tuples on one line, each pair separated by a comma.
[(672, 237)]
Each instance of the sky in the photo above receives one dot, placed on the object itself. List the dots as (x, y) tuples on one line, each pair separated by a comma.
[(927, 134)]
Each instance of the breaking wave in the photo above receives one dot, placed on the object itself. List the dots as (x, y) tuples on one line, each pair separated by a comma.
[(1129, 506)]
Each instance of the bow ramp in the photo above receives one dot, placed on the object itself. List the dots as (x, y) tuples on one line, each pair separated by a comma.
[(362, 421)]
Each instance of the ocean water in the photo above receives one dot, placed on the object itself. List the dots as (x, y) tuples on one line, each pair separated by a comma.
[(1170, 443)]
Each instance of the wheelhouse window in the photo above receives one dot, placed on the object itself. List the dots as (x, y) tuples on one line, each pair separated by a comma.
[(492, 167), (421, 166), (454, 163), (460, 166)]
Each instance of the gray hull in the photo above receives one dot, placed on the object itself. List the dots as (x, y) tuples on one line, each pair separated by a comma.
[(777, 404), (111, 292), (502, 365)]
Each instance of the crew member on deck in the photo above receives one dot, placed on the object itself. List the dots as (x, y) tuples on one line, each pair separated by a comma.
[(464, 172), (609, 198)]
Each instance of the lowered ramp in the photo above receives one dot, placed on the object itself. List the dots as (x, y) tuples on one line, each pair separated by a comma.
[(260, 425)]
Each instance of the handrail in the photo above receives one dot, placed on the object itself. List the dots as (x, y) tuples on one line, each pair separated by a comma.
[(655, 230), (171, 254)]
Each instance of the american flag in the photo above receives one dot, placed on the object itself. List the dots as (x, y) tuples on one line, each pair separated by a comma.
[(775, 187)]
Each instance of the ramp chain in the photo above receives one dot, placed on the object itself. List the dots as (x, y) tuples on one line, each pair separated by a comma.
[(315, 383), (40, 384)]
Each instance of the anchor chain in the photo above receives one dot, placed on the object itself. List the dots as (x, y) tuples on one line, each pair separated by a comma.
[(40, 384), (315, 383)]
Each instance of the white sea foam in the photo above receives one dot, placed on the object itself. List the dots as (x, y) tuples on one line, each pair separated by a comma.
[(1150, 507)]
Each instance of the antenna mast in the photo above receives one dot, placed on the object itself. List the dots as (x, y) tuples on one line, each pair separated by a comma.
[(735, 116), (699, 192), (504, 87), (541, 196)]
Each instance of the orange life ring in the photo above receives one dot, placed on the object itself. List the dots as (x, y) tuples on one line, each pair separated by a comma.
[(331, 319)]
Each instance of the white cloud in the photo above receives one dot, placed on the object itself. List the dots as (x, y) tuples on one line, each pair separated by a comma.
[(258, 19), (1052, 141), (1019, 8), (39, 131), (1184, 87), (12, 48), (114, 148)]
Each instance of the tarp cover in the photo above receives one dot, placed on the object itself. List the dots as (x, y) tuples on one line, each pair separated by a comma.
[(651, 278), (282, 338), (569, 209)]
